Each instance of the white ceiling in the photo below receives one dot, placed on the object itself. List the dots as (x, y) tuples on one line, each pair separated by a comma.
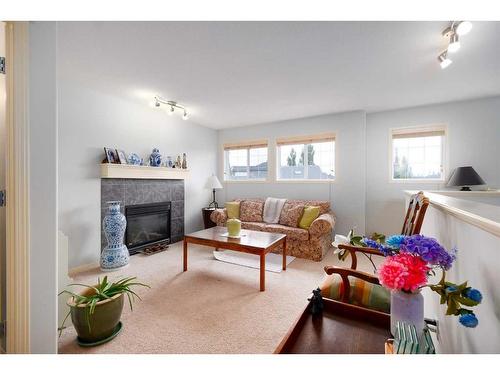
[(239, 73)]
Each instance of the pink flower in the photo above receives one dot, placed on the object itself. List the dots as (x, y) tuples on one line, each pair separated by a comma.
[(403, 271)]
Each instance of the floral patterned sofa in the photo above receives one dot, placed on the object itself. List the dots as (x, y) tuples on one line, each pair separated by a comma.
[(310, 243)]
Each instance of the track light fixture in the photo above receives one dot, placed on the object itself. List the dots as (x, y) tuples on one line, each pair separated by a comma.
[(454, 44), (452, 33), (444, 61), (463, 27), (173, 106)]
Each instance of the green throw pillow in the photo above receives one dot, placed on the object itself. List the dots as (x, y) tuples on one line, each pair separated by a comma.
[(310, 214), (233, 210)]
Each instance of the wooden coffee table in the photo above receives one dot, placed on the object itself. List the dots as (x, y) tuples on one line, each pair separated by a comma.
[(252, 242)]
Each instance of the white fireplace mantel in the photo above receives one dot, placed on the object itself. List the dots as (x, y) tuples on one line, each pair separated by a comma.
[(141, 171)]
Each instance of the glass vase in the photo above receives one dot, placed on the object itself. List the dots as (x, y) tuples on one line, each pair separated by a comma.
[(407, 307)]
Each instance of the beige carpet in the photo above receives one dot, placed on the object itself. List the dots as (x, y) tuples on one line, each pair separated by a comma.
[(214, 307)]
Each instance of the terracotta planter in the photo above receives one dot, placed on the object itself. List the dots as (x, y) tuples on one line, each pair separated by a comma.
[(103, 320)]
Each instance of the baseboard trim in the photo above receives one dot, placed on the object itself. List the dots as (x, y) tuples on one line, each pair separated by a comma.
[(86, 267)]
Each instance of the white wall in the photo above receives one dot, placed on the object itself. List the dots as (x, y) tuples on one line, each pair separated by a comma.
[(473, 139), (346, 194), (477, 262), (90, 120), (43, 186), (363, 158), (70, 122)]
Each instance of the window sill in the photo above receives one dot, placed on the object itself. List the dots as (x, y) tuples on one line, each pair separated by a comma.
[(246, 181), (416, 180), (305, 181)]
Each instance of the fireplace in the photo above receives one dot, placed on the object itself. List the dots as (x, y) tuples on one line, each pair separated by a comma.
[(135, 192), (148, 225)]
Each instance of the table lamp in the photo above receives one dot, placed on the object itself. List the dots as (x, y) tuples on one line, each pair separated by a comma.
[(465, 177), (214, 184)]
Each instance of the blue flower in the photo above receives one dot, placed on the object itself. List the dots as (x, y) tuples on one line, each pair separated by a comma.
[(451, 289), (473, 294), (468, 320), (429, 250), (395, 241), (377, 245), (371, 243)]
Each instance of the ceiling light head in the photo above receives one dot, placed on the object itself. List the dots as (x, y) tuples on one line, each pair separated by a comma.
[(463, 27), (171, 105), (454, 44), (156, 102), (444, 61)]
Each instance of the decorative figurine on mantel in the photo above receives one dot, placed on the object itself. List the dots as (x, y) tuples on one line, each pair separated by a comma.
[(178, 162), (184, 161), (155, 158), (316, 302), (170, 163), (134, 159)]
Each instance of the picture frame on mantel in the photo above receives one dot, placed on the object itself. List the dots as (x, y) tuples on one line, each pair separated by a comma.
[(111, 156), (122, 157)]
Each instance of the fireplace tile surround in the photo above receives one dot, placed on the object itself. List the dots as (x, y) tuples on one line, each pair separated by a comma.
[(141, 191)]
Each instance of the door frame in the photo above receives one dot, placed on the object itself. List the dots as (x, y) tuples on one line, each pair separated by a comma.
[(17, 186)]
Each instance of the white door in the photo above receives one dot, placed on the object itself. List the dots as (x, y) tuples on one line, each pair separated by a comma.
[(3, 158)]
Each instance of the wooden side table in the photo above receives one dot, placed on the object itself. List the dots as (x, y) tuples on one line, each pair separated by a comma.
[(206, 212), (341, 329)]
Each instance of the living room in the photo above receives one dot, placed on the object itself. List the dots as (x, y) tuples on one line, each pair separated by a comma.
[(228, 170)]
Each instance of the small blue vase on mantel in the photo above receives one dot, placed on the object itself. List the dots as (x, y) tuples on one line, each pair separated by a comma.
[(115, 255), (155, 158)]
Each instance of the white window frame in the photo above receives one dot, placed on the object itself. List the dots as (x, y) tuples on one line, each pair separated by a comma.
[(248, 145), (305, 139), (420, 129)]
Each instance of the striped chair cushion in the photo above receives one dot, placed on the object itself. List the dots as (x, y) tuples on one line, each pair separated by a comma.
[(361, 293)]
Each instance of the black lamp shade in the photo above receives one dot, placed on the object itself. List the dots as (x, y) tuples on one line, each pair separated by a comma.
[(465, 176)]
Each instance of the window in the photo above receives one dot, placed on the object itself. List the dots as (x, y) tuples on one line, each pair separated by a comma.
[(306, 158), (245, 161), (418, 154)]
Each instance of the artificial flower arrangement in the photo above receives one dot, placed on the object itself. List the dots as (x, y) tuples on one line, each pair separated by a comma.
[(409, 262)]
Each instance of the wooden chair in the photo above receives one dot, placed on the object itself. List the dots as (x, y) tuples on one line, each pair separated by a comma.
[(412, 225)]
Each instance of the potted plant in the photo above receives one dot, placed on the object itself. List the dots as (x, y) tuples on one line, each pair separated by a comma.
[(96, 311)]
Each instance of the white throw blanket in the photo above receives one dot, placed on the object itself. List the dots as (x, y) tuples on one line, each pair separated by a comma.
[(272, 210)]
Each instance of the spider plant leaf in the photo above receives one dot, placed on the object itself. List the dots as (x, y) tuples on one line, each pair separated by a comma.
[(134, 294), (129, 301), (60, 329), (125, 280), (87, 286), (139, 284), (87, 317), (78, 299)]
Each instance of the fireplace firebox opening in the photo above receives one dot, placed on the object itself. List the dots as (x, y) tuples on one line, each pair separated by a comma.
[(148, 226)]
